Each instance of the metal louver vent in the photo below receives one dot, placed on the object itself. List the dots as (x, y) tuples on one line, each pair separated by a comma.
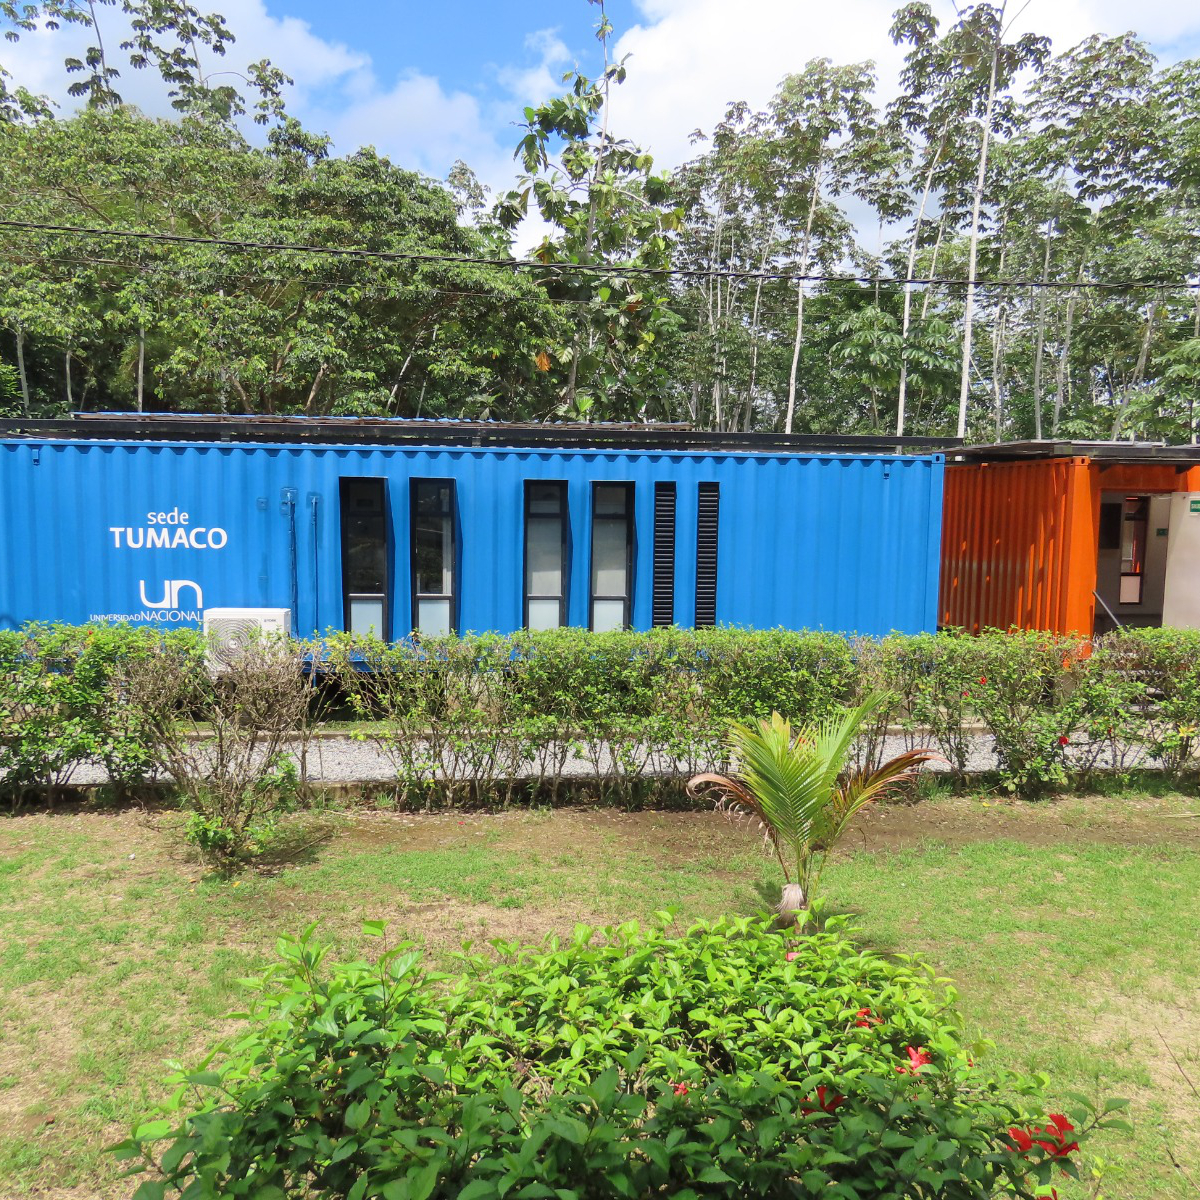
[(707, 519), (662, 609)]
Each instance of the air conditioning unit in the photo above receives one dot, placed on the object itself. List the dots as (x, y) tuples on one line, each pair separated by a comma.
[(228, 631)]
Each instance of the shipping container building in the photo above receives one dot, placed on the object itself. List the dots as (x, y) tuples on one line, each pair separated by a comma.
[(1072, 537), (400, 526)]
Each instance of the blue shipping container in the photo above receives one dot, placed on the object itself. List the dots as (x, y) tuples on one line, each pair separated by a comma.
[(158, 531)]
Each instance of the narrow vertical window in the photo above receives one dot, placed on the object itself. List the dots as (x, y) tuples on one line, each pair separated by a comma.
[(546, 571), (612, 555), (662, 606), (707, 520), (363, 505), (433, 552)]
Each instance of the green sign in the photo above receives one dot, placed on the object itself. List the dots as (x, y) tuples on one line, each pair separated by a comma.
[(1195, 505)]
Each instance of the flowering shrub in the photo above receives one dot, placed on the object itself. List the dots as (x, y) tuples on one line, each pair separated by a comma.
[(633, 1063)]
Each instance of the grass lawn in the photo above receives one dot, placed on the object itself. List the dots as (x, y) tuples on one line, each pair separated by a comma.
[(1071, 928)]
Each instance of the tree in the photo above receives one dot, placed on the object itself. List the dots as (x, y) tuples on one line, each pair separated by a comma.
[(793, 783), (610, 210), (957, 85)]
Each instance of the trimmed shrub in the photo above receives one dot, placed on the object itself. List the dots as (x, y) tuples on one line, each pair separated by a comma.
[(62, 703), (720, 1061), (490, 719)]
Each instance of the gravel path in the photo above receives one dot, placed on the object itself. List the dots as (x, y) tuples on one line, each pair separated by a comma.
[(346, 760)]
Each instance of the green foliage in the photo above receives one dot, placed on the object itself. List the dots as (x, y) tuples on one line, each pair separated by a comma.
[(641, 1061), (61, 702), (490, 719), (797, 786)]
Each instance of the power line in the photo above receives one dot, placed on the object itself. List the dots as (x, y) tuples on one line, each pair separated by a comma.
[(586, 268)]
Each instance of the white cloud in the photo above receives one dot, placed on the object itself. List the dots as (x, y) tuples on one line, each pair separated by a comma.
[(316, 65), (528, 85), (691, 57)]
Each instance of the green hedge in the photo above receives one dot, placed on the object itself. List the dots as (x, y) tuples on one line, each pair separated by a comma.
[(488, 717), (721, 1061)]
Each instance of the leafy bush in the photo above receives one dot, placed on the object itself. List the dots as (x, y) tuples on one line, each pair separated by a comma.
[(1161, 670), (224, 737), (492, 719), (61, 704), (1025, 699), (643, 1062)]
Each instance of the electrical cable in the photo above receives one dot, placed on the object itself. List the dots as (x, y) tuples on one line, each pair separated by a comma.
[(586, 268)]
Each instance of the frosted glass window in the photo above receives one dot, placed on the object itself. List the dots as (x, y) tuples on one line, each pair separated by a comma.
[(612, 555), (609, 558), (433, 556), (366, 605), (544, 550), (545, 554), (608, 615), (366, 616), (433, 617), (545, 614), (610, 500)]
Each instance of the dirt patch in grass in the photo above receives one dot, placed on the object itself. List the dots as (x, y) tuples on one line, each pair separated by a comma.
[(1160, 1034), (687, 836)]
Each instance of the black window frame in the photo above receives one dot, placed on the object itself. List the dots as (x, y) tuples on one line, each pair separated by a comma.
[(564, 523), (346, 485), (414, 486), (630, 556)]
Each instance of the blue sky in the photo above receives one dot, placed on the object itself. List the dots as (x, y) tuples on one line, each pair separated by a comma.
[(429, 83), (463, 42)]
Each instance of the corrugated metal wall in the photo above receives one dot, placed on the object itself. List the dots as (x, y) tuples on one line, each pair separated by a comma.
[(840, 543), (1013, 549), (1019, 541)]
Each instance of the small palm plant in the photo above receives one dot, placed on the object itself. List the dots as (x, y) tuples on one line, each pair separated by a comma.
[(795, 783)]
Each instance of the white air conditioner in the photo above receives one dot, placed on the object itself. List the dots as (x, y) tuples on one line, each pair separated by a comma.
[(228, 631)]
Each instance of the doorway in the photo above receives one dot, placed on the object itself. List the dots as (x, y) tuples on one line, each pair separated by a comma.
[(1131, 560)]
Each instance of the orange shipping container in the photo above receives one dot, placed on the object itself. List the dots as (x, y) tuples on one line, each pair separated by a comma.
[(1021, 536)]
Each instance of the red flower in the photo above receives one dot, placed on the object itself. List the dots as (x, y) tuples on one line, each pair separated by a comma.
[(917, 1057), (865, 1019), (1055, 1143), (791, 954), (983, 679), (1063, 740), (681, 1089), (1023, 1140), (825, 1102)]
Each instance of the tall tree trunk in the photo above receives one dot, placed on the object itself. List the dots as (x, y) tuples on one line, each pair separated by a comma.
[(933, 260), (804, 251), (1064, 355), (24, 378), (1041, 337), (998, 343), (748, 416), (141, 367), (1139, 371), (906, 318), (312, 393), (964, 390), (1193, 432), (70, 398)]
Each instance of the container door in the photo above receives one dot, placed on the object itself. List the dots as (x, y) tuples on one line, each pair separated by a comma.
[(1181, 605)]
